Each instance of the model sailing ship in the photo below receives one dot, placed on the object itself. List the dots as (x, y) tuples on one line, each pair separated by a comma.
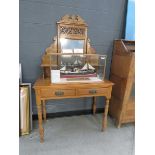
[(76, 70)]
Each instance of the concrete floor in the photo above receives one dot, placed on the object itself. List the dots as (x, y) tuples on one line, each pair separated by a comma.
[(79, 135)]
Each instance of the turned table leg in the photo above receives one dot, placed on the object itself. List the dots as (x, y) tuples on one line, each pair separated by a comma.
[(118, 124), (44, 110), (41, 130), (94, 105), (104, 120)]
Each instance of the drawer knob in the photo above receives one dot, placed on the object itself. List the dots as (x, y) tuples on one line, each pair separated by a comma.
[(93, 91), (59, 93)]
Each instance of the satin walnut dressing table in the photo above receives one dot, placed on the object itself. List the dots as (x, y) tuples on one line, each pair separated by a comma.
[(69, 27)]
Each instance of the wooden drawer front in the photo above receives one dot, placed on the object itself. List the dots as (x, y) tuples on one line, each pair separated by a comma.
[(92, 91), (46, 92), (63, 92)]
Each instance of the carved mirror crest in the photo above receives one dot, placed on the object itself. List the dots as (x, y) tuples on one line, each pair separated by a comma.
[(72, 34)]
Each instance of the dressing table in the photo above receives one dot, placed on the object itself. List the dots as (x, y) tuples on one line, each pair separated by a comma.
[(73, 29)]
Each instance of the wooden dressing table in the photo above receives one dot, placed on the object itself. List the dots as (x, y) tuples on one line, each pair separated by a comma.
[(45, 90)]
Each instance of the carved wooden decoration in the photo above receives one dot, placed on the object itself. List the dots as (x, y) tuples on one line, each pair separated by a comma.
[(90, 50), (72, 25), (53, 47), (72, 19), (65, 30)]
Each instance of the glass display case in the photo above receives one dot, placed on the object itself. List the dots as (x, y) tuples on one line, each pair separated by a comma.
[(77, 67)]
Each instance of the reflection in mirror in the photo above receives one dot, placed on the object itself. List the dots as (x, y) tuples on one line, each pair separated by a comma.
[(71, 46)]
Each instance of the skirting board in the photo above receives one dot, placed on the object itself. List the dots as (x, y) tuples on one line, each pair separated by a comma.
[(70, 113)]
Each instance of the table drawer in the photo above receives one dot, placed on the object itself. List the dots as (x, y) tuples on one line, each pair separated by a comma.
[(46, 92), (92, 91), (63, 92), (57, 92)]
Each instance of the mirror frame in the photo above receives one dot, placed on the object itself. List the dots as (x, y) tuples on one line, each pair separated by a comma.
[(72, 27)]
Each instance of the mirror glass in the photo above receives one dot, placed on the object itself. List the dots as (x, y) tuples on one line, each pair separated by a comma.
[(71, 46)]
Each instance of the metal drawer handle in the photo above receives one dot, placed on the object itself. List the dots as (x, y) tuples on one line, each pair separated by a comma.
[(59, 93), (93, 91)]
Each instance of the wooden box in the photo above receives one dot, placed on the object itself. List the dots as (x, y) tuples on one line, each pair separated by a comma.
[(122, 105)]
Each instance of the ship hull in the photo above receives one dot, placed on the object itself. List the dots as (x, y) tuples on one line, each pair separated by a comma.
[(62, 75)]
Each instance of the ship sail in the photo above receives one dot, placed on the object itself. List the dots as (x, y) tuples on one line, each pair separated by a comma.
[(90, 67), (87, 66), (63, 68), (77, 62)]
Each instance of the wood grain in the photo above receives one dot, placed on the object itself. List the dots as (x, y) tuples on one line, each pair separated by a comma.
[(94, 105), (44, 84), (122, 105)]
